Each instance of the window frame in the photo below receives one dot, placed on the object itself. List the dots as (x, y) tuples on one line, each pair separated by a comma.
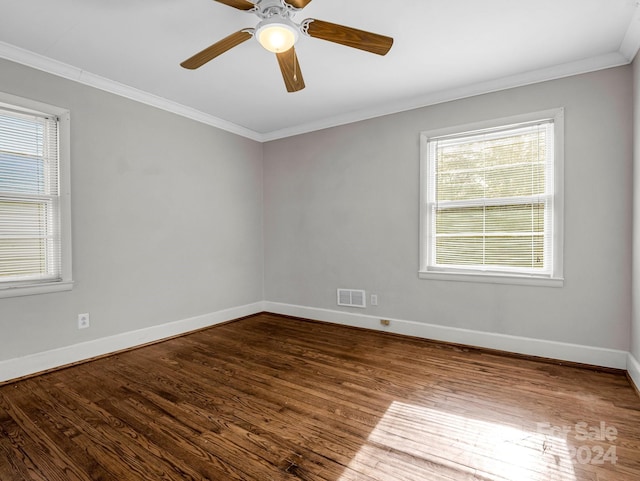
[(65, 282), (508, 276)]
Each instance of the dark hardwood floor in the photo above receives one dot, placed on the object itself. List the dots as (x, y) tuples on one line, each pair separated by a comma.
[(273, 398)]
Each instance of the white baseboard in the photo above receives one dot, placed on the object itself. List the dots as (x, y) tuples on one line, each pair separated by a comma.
[(633, 368), (43, 361), (595, 356)]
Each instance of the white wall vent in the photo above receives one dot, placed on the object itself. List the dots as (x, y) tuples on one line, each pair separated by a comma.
[(352, 298)]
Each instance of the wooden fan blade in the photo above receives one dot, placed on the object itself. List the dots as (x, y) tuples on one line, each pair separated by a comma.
[(239, 4), (351, 37), (218, 48), (298, 3), (290, 68)]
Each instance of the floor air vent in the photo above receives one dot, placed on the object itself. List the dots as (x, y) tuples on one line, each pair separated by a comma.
[(352, 298)]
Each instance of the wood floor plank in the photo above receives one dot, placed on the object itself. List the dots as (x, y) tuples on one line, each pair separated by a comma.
[(248, 421), (273, 398), (107, 437), (230, 423), (52, 459)]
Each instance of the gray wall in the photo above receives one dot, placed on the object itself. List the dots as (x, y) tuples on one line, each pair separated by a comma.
[(167, 219), (341, 210), (635, 338)]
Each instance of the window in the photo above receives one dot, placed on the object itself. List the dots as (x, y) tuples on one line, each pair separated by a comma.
[(492, 201), (34, 198)]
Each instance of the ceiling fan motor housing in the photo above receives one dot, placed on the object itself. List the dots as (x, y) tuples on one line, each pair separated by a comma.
[(269, 8)]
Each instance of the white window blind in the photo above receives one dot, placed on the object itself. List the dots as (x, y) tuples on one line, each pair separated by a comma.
[(30, 239), (490, 201)]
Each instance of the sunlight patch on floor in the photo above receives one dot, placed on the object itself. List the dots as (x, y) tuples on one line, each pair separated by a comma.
[(413, 443)]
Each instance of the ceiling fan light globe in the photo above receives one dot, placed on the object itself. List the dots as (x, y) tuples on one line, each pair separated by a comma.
[(276, 36)]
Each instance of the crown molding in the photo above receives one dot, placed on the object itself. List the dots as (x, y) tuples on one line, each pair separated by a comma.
[(592, 64), (61, 69), (630, 46), (631, 42)]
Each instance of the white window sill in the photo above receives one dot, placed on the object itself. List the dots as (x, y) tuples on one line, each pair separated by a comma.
[(493, 278), (32, 289)]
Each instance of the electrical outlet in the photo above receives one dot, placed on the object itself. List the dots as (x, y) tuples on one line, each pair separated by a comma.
[(83, 320), (374, 299)]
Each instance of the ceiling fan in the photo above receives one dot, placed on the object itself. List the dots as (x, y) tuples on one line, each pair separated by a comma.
[(278, 33)]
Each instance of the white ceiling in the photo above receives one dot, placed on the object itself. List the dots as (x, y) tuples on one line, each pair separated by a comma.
[(443, 49)]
